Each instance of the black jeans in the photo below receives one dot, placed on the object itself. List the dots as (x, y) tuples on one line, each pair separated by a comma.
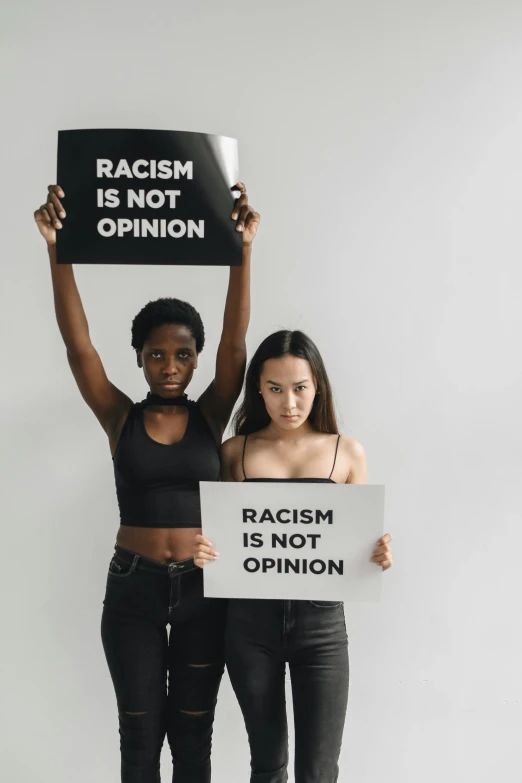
[(262, 635), (165, 684)]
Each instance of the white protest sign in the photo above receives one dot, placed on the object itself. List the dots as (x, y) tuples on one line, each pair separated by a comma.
[(292, 541)]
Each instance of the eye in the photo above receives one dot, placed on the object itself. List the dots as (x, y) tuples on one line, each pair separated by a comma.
[(184, 354), (275, 389), (156, 354), (300, 388)]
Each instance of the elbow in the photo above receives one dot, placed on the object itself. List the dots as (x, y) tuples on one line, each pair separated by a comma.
[(80, 351)]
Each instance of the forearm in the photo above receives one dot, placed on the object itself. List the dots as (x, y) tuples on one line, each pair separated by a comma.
[(68, 306), (237, 305)]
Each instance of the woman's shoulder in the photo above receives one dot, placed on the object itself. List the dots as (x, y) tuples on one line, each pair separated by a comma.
[(351, 447), (353, 459), (232, 447)]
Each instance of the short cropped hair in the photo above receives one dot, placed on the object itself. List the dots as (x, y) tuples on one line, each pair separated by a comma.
[(167, 311)]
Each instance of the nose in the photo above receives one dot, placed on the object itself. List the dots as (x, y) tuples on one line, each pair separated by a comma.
[(170, 367), (289, 402)]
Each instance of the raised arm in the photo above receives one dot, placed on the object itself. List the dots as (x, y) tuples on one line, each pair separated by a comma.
[(108, 403), (218, 400)]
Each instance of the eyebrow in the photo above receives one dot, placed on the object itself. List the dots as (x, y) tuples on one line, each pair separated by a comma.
[(179, 348), (296, 383)]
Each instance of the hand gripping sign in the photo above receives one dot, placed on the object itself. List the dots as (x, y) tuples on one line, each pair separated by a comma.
[(292, 541)]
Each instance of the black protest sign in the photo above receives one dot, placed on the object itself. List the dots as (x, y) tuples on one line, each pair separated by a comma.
[(147, 197)]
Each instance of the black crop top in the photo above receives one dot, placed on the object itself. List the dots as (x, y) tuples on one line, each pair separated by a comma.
[(157, 484)]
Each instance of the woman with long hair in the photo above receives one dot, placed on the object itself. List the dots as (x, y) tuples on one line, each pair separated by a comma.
[(286, 431), (161, 448)]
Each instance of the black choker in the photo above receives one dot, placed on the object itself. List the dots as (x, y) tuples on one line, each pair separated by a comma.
[(156, 399)]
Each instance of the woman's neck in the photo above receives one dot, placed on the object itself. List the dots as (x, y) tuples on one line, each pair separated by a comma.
[(274, 432)]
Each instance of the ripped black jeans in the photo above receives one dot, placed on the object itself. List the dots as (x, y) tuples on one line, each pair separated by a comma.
[(262, 637), (166, 684)]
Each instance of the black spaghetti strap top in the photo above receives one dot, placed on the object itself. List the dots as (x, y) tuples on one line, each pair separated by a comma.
[(158, 485), (304, 480)]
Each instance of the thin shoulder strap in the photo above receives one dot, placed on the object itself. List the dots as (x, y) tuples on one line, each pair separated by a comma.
[(243, 457), (335, 457)]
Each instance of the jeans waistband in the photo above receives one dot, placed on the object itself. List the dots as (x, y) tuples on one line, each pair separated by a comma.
[(146, 564)]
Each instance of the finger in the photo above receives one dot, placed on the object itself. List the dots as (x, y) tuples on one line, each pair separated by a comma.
[(42, 216), (239, 186), (207, 545), (251, 225), (387, 564), (202, 560), (204, 556), (203, 540), (207, 550), (380, 558), (242, 217), (249, 217), (252, 217), (385, 539), (57, 204), (381, 550), (52, 212), (56, 189), (238, 204)]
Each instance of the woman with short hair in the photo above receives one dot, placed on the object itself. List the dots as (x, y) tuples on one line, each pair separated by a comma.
[(161, 448)]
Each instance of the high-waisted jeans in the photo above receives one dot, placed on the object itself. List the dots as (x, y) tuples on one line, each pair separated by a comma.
[(262, 636), (166, 684)]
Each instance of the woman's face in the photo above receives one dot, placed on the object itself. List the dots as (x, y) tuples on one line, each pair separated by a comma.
[(169, 359), (288, 388)]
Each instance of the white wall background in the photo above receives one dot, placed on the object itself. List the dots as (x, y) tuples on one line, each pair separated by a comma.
[(381, 141)]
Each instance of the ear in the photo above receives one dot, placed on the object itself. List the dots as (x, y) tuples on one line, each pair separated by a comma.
[(196, 362), (139, 359)]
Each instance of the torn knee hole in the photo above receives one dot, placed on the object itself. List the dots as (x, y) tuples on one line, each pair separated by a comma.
[(186, 712)]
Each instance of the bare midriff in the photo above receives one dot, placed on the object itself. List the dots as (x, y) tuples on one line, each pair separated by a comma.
[(165, 544)]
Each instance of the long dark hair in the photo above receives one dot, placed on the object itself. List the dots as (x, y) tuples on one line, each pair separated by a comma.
[(252, 414)]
